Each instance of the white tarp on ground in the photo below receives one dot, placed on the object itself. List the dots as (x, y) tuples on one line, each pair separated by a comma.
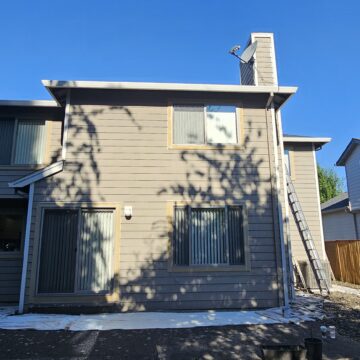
[(304, 309)]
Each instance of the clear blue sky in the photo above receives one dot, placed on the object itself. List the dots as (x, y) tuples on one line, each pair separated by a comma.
[(317, 44)]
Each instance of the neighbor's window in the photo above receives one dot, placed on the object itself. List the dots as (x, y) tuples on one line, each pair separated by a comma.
[(11, 230), (22, 142), (287, 161), (208, 236), (199, 124), (76, 251)]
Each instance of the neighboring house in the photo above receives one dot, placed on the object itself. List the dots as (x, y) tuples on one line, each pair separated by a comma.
[(338, 221), (341, 215), (154, 195)]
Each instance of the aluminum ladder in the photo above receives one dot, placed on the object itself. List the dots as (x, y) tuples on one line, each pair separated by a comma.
[(307, 238)]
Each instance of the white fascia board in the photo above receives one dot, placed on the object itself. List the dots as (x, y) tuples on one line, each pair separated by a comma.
[(263, 34), (37, 103), (38, 175), (306, 139), (168, 86)]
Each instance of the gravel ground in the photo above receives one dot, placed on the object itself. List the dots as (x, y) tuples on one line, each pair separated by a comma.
[(208, 343), (205, 343), (343, 311)]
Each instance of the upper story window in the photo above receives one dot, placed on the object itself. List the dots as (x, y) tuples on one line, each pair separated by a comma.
[(22, 142), (205, 124)]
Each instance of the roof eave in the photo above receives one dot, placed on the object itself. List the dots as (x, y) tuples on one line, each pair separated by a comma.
[(333, 210), (38, 175), (53, 85), (29, 103), (317, 141), (347, 152)]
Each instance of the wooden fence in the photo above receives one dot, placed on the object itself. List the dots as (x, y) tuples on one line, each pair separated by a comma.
[(344, 257)]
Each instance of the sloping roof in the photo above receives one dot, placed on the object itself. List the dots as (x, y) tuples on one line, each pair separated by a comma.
[(58, 88), (38, 175), (337, 202), (316, 140), (354, 142)]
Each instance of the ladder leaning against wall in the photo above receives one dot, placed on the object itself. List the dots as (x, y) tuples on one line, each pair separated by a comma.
[(307, 238)]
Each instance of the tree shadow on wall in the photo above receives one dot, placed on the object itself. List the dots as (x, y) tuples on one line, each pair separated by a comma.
[(216, 176)]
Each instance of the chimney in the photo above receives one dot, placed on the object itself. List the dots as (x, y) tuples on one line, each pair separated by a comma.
[(262, 69)]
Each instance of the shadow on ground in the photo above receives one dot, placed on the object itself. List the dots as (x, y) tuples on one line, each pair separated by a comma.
[(230, 342)]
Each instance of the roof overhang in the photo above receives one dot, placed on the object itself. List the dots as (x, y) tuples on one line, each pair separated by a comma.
[(29, 103), (318, 142), (348, 151), (38, 175), (58, 88)]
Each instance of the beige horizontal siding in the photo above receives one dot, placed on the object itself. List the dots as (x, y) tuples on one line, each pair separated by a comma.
[(120, 154), (303, 171), (264, 61)]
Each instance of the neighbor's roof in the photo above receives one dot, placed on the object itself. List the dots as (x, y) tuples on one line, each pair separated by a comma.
[(348, 151), (57, 87), (36, 103), (316, 140), (336, 203)]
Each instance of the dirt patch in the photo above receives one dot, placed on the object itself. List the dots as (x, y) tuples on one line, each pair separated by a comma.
[(353, 286), (343, 311)]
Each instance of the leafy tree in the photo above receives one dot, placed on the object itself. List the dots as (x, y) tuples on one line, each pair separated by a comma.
[(330, 184)]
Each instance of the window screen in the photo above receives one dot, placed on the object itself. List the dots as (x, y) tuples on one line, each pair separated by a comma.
[(22, 142), (208, 236), (30, 144), (96, 249), (6, 140), (188, 124)]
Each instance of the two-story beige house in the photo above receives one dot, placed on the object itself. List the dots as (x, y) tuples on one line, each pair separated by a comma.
[(154, 196)]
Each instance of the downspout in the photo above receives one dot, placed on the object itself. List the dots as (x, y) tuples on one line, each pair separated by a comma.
[(66, 125), (278, 204), (356, 226), (290, 280), (319, 205), (26, 249)]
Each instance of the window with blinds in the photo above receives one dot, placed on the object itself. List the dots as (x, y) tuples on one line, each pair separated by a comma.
[(204, 124), (208, 236), (22, 142), (76, 251)]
